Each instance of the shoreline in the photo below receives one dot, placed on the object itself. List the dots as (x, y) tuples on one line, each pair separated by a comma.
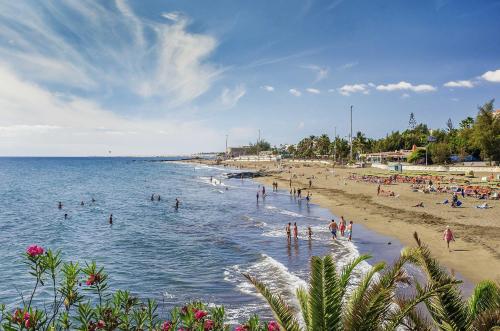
[(474, 255)]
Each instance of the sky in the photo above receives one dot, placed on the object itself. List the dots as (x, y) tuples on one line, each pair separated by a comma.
[(156, 77)]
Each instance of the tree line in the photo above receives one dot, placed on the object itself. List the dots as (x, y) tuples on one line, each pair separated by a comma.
[(473, 139)]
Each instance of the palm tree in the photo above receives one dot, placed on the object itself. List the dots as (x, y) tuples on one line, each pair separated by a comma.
[(328, 306), (448, 309)]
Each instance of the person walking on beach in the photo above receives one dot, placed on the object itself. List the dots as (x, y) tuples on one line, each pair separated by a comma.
[(342, 225), (263, 191), (310, 183), (257, 196), (349, 229), (309, 232), (378, 189), (299, 193), (111, 219), (448, 236), (295, 231), (288, 231), (333, 229)]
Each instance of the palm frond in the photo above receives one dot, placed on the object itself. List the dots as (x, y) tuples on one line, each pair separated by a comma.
[(333, 295), (486, 296), (488, 320), (281, 310), (303, 298), (358, 295), (317, 294), (447, 308), (407, 306)]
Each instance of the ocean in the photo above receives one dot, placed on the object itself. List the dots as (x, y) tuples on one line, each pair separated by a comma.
[(197, 252)]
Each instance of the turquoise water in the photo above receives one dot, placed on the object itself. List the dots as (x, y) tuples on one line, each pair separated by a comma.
[(197, 252)]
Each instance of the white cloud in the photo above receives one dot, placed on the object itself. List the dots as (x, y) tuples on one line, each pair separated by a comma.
[(459, 83), (321, 72), (355, 88), (402, 86), (313, 90), (230, 97), (268, 88), (492, 76), (38, 122), (295, 92), (111, 48), (173, 16), (348, 65)]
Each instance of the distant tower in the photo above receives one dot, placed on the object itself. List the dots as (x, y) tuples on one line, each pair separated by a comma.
[(412, 123)]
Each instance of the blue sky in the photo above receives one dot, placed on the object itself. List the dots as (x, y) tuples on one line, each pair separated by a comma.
[(167, 77)]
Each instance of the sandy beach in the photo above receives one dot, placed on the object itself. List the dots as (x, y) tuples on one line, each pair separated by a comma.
[(475, 253)]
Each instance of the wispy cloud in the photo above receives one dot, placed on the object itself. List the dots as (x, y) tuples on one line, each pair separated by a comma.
[(348, 65), (405, 86), (230, 97), (313, 90), (355, 88), (459, 83), (295, 92), (334, 4), (405, 96), (492, 76), (268, 88), (46, 123), (96, 47), (320, 72)]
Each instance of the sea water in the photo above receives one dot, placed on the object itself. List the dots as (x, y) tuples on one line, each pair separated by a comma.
[(198, 252)]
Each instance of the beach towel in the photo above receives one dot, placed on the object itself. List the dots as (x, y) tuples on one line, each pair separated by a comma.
[(483, 206), (458, 203)]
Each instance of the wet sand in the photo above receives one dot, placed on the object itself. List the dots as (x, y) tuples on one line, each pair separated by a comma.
[(475, 253)]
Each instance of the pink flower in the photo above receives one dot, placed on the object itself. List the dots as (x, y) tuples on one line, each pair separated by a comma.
[(166, 326), (34, 250), (26, 316), (273, 326), (241, 328), (101, 324), (208, 325), (199, 314), (27, 324)]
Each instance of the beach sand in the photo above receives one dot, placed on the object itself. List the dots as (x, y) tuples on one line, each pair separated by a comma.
[(475, 253)]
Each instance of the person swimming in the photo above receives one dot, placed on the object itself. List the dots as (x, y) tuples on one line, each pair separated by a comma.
[(177, 202), (60, 205), (159, 197), (333, 229), (93, 200), (309, 232), (82, 203), (153, 197), (111, 219), (65, 216)]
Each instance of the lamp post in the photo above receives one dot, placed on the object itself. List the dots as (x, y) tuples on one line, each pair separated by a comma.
[(350, 136)]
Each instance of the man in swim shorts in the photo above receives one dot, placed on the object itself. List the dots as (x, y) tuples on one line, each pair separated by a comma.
[(333, 229)]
